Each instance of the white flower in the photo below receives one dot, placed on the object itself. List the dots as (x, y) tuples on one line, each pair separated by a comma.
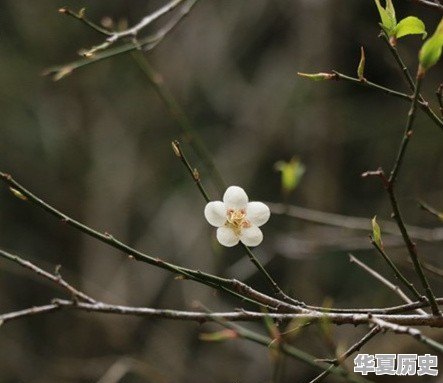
[(237, 219)]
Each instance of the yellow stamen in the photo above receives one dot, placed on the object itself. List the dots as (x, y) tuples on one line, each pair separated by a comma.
[(236, 220)]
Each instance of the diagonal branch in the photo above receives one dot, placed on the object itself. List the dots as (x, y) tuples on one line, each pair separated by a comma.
[(435, 5), (383, 280), (412, 249), (146, 44), (55, 278), (355, 347), (400, 329), (352, 223), (422, 103), (398, 274), (133, 31)]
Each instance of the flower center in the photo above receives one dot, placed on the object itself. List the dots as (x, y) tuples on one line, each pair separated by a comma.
[(236, 220)]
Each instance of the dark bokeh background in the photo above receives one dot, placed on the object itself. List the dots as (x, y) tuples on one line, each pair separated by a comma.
[(97, 145)]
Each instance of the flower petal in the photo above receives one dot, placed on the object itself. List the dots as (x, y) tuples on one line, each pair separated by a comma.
[(215, 213), (226, 236), (257, 213), (251, 236), (235, 198)]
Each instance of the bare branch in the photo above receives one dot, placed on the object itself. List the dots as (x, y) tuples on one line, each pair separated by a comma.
[(405, 329), (424, 206), (398, 274), (412, 249), (146, 44), (241, 315), (355, 347), (55, 278), (133, 31), (435, 5), (146, 21), (28, 312), (352, 223), (383, 280), (422, 103)]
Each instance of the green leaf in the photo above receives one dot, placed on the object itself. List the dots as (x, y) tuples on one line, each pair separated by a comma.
[(291, 174), (361, 65), (390, 10), (376, 232), (317, 76), (431, 50), (410, 25), (387, 16)]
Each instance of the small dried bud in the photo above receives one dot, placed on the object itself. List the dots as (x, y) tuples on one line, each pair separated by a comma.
[(18, 194), (82, 13), (175, 148)]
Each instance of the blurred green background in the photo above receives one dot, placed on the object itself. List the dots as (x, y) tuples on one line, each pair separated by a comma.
[(96, 144)]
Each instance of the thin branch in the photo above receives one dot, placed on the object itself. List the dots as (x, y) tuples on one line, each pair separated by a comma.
[(436, 6), (379, 311), (81, 17), (146, 44), (424, 206), (406, 135), (133, 31), (240, 315), (400, 329), (192, 171), (398, 274), (410, 81), (399, 60), (352, 223), (355, 347), (384, 281), (395, 207), (4, 318), (55, 278), (424, 105), (369, 84), (433, 269)]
